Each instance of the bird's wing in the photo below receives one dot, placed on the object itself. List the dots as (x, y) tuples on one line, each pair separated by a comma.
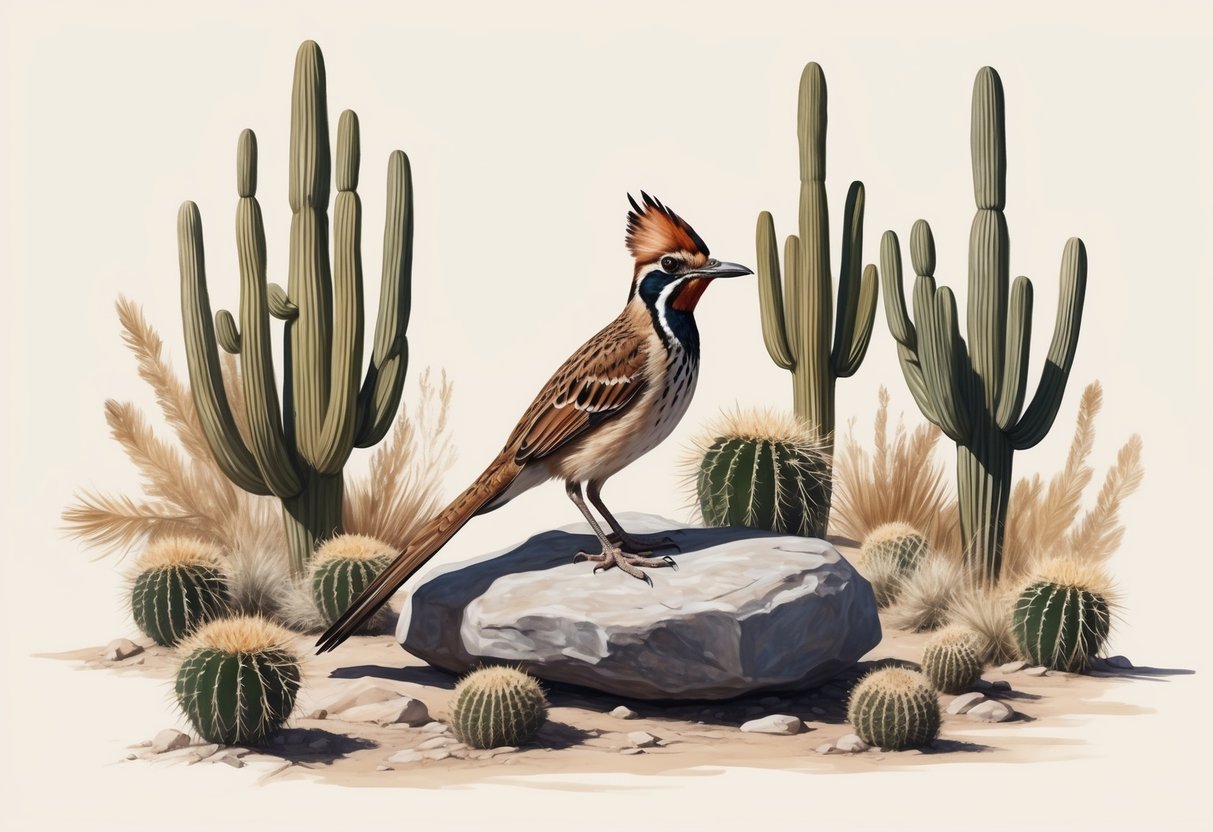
[(597, 382)]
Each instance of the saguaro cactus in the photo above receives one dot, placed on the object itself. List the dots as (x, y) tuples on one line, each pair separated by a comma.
[(296, 449), (796, 311), (976, 394)]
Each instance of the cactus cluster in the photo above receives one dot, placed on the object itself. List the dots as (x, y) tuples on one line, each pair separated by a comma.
[(762, 470), (178, 585), (1063, 616), (895, 708), (497, 706), (797, 309), (898, 544), (976, 393), (950, 661), (298, 443), (238, 680), (342, 568)]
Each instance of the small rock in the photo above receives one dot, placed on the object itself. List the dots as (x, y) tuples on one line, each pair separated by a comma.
[(132, 756), (1001, 684), (403, 710), (440, 754), (503, 749), (1037, 671), (642, 739), (319, 713), (773, 724), (435, 742), (991, 711), (1013, 667), (406, 757), (434, 728), (826, 748), (1119, 662), (121, 648), (234, 762), (965, 702), (624, 712), (319, 744), (383, 768), (631, 751), (207, 749), (170, 739), (851, 744)]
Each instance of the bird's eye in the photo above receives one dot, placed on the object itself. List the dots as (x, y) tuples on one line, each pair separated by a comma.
[(669, 264)]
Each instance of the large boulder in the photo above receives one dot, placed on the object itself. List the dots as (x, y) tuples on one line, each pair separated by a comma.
[(745, 611)]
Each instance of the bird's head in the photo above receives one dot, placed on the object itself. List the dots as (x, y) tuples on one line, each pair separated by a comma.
[(673, 266)]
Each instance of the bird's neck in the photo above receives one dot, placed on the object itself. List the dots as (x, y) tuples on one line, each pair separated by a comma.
[(675, 327)]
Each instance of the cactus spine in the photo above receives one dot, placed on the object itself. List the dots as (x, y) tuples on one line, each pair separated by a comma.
[(296, 448), (976, 394), (497, 706), (342, 568), (899, 544), (178, 586), (950, 661), (238, 680), (894, 708), (1062, 618), (797, 308)]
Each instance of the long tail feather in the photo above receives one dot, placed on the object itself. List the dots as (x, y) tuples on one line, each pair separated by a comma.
[(425, 544)]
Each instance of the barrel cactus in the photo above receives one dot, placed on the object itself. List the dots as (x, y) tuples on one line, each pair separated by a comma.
[(950, 661), (894, 708), (238, 680), (762, 469), (342, 568), (178, 585), (899, 544), (1063, 616), (497, 706)]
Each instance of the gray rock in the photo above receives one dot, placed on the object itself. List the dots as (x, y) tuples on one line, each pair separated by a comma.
[(170, 739), (642, 739), (1119, 662), (990, 711), (406, 757), (1036, 671), (851, 744), (436, 742), (434, 728), (624, 712), (121, 648), (1013, 667), (403, 710), (965, 702), (774, 724), (746, 611), (439, 754)]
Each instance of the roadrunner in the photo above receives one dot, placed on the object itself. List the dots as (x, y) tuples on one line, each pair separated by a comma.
[(613, 400)]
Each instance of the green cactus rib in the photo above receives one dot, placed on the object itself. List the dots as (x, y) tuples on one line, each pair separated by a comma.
[(237, 698), (298, 444), (765, 484), (336, 583), (975, 393), (496, 707), (1061, 627), (797, 308), (894, 715), (953, 666), (906, 551), (170, 602)]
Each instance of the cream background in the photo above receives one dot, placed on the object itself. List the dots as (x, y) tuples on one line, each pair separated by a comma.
[(526, 124)]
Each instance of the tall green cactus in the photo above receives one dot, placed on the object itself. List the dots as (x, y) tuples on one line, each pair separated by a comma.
[(796, 309), (296, 449), (976, 394)]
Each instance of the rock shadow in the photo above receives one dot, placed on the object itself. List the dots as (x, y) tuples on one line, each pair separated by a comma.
[(312, 745), (426, 676)]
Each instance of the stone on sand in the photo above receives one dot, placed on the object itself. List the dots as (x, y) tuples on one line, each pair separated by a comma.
[(774, 724)]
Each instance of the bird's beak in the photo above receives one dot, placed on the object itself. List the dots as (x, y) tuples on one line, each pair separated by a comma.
[(716, 268)]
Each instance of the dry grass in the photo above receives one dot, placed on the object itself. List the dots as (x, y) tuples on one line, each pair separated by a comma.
[(987, 613), (900, 480), (178, 551), (241, 634), (885, 577), (927, 594)]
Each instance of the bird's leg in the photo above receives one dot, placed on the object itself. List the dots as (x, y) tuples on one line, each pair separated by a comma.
[(633, 544), (611, 554)]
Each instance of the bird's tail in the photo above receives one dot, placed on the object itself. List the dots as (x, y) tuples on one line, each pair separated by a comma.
[(425, 544)]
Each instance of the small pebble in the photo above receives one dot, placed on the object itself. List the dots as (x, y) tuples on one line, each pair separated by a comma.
[(826, 748), (436, 742), (384, 768), (624, 712), (774, 724), (320, 713), (631, 751), (991, 711), (406, 757), (170, 739), (642, 739), (851, 744), (121, 648), (1013, 667), (434, 727), (440, 754), (965, 702), (1036, 671)]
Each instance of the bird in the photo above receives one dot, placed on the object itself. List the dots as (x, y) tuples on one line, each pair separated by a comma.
[(615, 399)]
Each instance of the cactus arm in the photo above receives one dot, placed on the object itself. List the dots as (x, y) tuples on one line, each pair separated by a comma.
[(770, 295), (856, 292), (257, 360), (1019, 343), (1038, 418), (942, 355), (206, 379), (384, 382), (281, 306), (226, 332), (900, 325), (793, 287), (309, 281), (341, 415)]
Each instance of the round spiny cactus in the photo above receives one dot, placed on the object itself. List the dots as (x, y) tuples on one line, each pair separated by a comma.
[(178, 585), (898, 544), (1063, 617), (342, 568), (894, 708), (238, 680), (950, 661), (497, 706), (764, 470)]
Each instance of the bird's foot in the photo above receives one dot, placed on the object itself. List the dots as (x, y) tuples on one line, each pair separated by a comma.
[(628, 562), (635, 544)]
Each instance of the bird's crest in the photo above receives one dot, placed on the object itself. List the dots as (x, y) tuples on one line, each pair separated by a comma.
[(654, 230)]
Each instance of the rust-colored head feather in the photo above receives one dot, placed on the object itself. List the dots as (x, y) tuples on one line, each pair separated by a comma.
[(654, 230)]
